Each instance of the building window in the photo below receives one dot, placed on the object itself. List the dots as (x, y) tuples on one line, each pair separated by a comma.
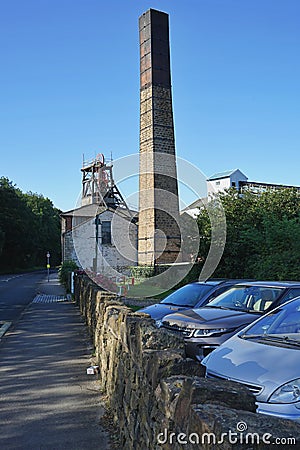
[(106, 232), (233, 184), (217, 183)]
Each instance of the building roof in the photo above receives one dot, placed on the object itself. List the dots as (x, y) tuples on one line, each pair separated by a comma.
[(94, 209), (85, 211), (199, 203), (226, 174), (89, 212)]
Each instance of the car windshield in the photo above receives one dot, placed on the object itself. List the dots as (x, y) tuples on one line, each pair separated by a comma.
[(188, 295), (247, 298), (282, 324)]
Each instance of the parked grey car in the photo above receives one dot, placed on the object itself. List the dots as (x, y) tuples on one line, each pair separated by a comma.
[(192, 295), (207, 327), (265, 357)]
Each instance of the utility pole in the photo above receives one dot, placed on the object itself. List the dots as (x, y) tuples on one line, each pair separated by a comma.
[(48, 265), (97, 223)]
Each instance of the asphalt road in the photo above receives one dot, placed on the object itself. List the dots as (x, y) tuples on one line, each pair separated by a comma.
[(16, 292)]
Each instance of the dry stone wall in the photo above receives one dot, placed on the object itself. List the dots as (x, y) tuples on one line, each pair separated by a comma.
[(159, 399)]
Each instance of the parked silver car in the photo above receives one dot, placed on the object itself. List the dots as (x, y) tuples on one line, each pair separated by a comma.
[(265, 356)]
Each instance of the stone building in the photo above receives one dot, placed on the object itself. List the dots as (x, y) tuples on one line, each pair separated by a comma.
[(101, 234), (157, 239)]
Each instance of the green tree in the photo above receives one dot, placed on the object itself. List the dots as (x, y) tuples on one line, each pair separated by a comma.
[(29, 227), (15, 220), (262, 235), (2, 237), (47, 226)]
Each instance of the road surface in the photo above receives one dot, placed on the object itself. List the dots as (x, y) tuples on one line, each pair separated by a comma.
[(16, 292), (47, 400)]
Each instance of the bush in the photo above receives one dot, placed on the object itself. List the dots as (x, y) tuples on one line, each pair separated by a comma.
[(64, 273), (142, 271)]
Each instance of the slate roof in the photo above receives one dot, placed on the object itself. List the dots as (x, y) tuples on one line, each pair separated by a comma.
[(226, 174)]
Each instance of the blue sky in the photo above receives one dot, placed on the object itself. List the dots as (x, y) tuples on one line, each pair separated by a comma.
[(69, 85)]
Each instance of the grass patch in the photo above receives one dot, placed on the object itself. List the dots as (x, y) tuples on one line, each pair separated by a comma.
[(141, 290)]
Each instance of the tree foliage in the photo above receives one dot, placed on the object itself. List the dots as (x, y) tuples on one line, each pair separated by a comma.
[(29, 227), (263, 232)]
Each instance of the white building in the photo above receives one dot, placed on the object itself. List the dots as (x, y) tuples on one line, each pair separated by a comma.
[(101, 234), (236, 179), (99, 239), (225, 180)]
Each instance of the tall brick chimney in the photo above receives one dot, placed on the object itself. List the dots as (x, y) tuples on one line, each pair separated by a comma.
[(159, 234)]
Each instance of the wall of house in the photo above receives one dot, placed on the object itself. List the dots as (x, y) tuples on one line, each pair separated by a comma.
[(80, 244), (159, 398), (214, 186), (68, 250)]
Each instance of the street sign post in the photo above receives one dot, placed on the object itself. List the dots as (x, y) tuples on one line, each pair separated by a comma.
[(48, 265)]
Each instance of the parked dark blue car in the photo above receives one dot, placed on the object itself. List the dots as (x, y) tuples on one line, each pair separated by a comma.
[(192, 295)]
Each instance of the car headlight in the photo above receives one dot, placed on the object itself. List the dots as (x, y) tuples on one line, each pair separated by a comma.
[(158, 323), (209, 332), (288, 393)]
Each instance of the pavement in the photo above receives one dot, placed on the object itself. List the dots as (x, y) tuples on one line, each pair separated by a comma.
[(47, 400)]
